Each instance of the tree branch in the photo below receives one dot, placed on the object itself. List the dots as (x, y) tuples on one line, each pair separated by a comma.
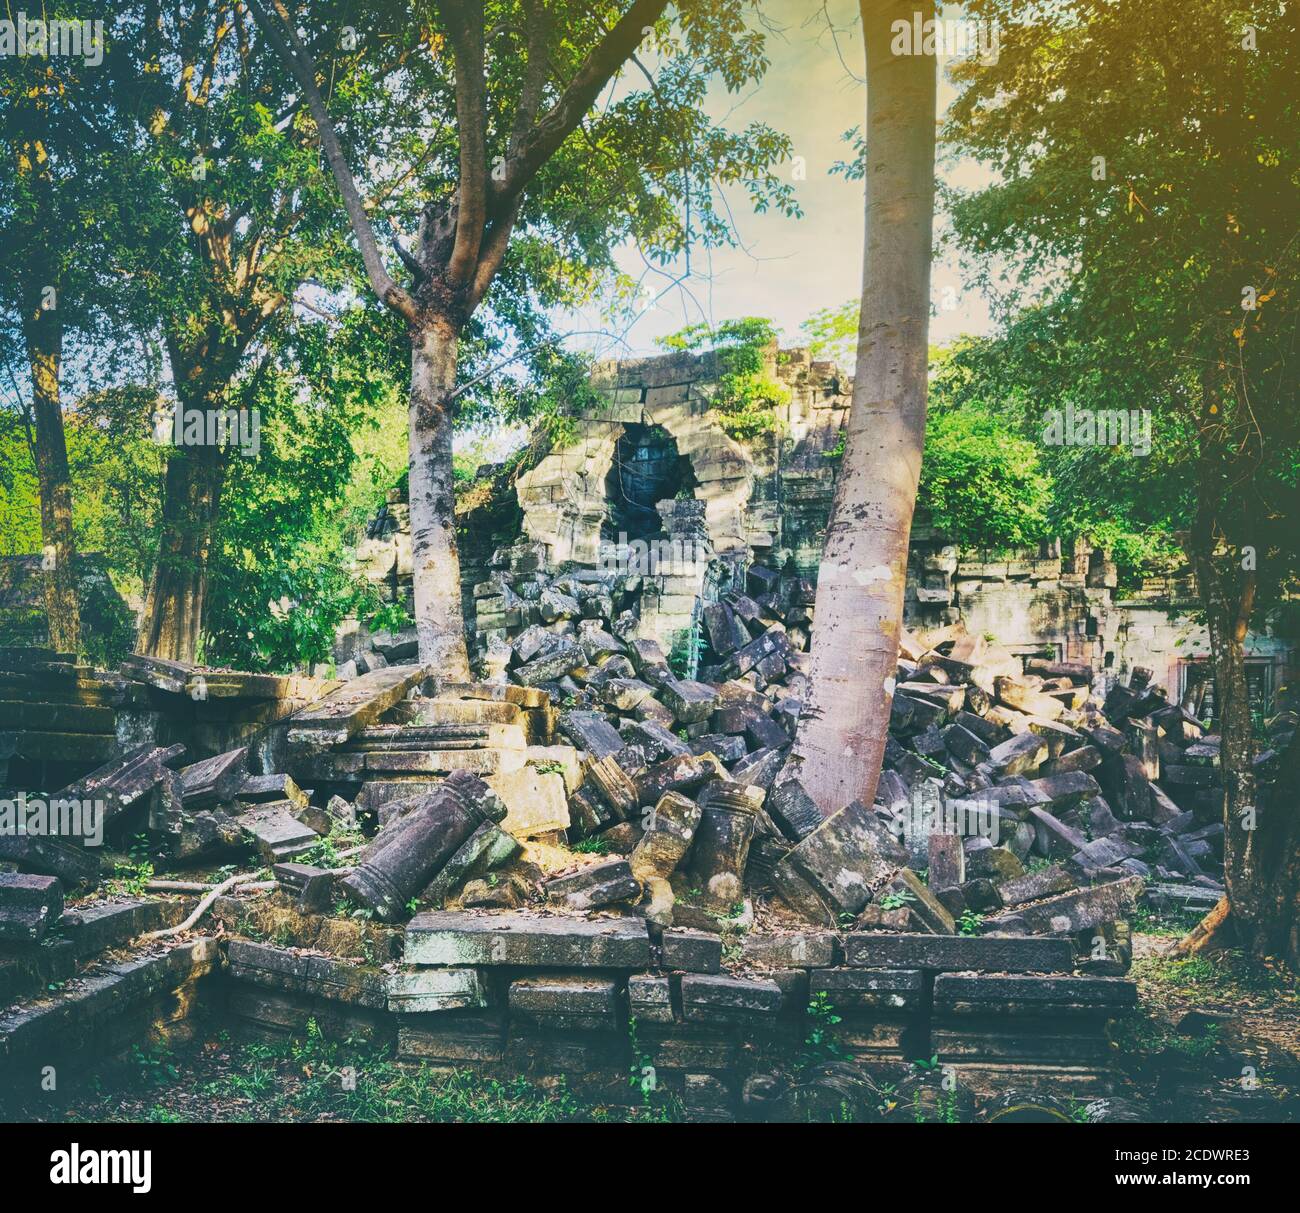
[(464, 20), (299, 62), (579, 95)]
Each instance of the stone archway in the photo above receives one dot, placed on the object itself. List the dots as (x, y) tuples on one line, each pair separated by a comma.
[(564, 497)]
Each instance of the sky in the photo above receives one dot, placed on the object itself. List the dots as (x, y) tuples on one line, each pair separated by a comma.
[(787, 269)]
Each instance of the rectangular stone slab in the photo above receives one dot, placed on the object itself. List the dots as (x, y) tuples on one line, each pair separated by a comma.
[(568, 1002), (214, 780), (463, 939), (898, 990), (999, 954), (282, 969), (963, 994), (277, 834), (427, 990), (1076, 911), (354, 705), (789, 950), (724, 999)]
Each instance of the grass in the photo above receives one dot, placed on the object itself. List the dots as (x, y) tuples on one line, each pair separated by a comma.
[(317, 1079)]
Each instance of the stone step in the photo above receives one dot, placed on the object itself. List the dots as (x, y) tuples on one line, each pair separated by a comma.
[(320, 976), (1000, 954), (443, 762), (466, 711), (29, 906), (524, 697), (459, 940), (438, 737), (72, 1015), (963, 994)]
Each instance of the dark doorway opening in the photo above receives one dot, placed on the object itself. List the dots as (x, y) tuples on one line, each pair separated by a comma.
[(646, 469)]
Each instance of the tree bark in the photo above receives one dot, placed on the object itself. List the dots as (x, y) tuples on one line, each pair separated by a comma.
[(440, 623), (43, 329), (1261, 841), (172, 624), (860, 587)]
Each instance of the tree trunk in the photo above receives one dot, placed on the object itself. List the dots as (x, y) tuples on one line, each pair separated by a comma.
[(860, 587), (173, 616), (1261, 841), (44, 335), (440, 622)]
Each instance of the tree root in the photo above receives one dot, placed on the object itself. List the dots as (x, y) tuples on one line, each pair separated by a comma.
[(1213, 933), (202, 908)]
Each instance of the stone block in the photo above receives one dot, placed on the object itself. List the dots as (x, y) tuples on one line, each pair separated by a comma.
[(729, 1000), (837, 868), (892, 991), (596, 885), (789, 950), (692, 951), (1032, 996), (420, 991), (463, 939), (566, 1002), (1001, 954), (1077, 911)]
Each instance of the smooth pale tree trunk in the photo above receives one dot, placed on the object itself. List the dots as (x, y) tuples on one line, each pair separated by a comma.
[(172, 625), (44, 336), (859, 609), (439, 615)]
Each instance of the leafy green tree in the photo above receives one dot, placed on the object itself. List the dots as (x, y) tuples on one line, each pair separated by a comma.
[(981, 483), (240, 215), (54, 140), (555, 157), (1145, 165)]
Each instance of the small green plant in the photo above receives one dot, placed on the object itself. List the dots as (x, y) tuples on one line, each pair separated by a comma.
[(547, 766), (895, 899), (820, 1044), (592, 846), (970, 923), (130, 879), (838, 449), (154, 1066)]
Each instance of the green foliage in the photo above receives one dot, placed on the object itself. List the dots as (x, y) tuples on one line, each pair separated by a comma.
[(1138, 232), (832, 333), (332, 439), (390, 617), (820, 1044), (746, 397), (970, 923), (592, 846), (981, 483), (895, 899)]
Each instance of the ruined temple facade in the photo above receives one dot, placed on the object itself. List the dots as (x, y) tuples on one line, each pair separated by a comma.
[(654, 475)]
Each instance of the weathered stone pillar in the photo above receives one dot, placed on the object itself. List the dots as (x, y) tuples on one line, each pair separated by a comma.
[(409, 851)]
